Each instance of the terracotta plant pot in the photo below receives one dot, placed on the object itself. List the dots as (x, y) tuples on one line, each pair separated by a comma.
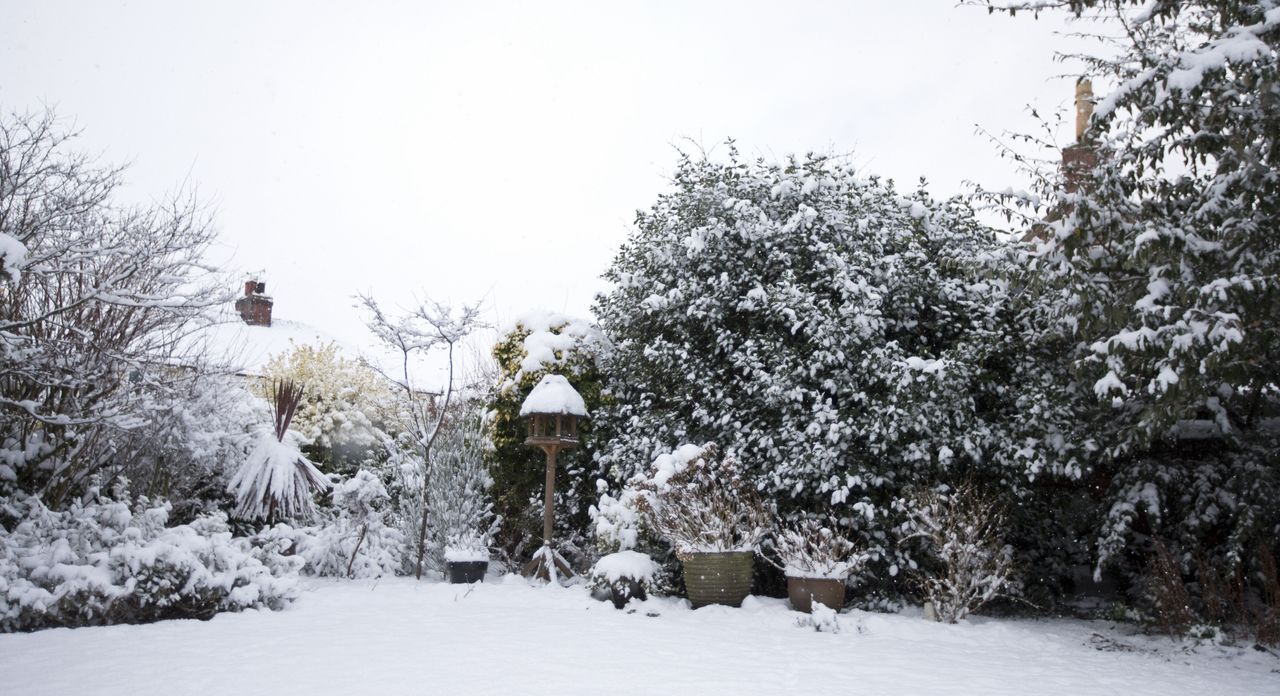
[(623, 590), (803, 592), (467, 572), (718, 578)]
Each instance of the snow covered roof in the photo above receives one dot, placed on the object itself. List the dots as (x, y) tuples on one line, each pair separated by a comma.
[(247, 349), (554, 395)]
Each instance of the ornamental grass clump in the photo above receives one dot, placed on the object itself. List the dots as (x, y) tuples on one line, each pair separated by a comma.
[(702, 502), (277, 481)]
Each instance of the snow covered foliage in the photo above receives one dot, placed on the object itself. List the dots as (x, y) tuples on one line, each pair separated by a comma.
[(185, 453), (813, 547), (624, 574), (535, 345), (91, 328), (838, 338), (1158, 267), (623, 565), (971, 565), (700, 501), (13, 255), (352, 539), (616, 520), (360, 537), (1219, 507), (276, 481), (459, 509), (344, 411), (1163, 264), (100, 563), (542, 342)]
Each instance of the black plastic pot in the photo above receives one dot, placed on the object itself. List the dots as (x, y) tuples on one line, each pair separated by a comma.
[(623, 590), (466, 572)]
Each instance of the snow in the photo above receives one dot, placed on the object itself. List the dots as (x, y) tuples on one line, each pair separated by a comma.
[(667, 465), (13, 254), (247, 349), (625, 564), (551, 341), (554, 394), (398, 636), (454, 554)]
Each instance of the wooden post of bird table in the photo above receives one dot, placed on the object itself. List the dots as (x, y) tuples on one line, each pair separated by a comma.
[(548, 510), (552, 411)]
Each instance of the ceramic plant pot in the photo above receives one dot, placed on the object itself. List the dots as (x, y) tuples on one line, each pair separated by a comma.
[(803, 592), (467, 572), (718, 578)]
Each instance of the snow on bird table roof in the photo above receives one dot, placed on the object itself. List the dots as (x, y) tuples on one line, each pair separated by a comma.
[(554, 394)]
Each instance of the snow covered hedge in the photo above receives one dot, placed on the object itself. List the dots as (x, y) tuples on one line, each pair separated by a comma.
[(99, 563)]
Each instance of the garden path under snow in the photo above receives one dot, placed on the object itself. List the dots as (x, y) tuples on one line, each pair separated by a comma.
[(397, 636)]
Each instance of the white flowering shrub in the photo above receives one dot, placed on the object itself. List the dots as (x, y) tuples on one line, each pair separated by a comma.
[(101, 563), (345, 411)]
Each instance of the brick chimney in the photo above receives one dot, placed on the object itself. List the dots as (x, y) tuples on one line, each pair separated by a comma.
[(1078, 161), (255, 306), (1079, 158)]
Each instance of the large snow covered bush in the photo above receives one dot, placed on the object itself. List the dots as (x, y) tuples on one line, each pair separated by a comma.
[(351, 539), (840, 339), (100, 563)]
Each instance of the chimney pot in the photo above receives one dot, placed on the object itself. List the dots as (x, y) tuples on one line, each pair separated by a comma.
[(249, 287), (1084, 107)]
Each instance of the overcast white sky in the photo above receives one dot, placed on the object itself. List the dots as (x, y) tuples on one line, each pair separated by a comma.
[(499, 150)]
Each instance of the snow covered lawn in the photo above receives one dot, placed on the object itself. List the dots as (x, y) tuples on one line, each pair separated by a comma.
[(397, 636)]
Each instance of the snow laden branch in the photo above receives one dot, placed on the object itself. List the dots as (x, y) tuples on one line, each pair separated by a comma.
[(96, 299), (429, 327)]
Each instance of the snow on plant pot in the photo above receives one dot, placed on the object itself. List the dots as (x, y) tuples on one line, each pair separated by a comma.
[(704, 505), (816, 560), (626, 574), (467, 557)]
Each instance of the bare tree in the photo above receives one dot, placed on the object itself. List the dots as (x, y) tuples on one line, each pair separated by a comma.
[(96, 300), (429, 327)]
